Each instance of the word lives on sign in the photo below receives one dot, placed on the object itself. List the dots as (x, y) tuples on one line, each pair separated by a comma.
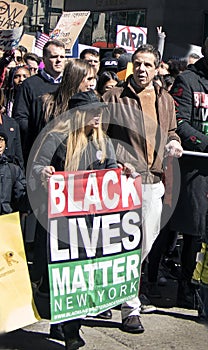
[(94, 241)]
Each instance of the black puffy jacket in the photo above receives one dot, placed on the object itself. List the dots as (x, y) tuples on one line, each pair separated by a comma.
[(12, 187)]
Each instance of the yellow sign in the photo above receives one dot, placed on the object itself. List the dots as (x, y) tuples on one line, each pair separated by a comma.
[(17, 308), (123, 74)]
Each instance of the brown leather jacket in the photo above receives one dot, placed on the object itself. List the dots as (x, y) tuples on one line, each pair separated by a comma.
[(126, 128)]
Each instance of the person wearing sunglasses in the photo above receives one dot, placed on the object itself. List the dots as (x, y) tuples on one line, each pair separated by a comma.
[(17, 59), (33, 61)]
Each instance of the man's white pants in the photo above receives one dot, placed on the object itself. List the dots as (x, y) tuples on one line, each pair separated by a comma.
[(151, 215)]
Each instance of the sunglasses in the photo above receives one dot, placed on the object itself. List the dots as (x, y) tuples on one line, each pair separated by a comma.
[(18, 58), (33, 69)]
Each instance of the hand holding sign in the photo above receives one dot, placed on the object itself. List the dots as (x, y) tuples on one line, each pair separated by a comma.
[(46, 173)]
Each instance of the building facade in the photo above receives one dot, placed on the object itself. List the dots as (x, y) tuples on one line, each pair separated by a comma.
[(185, 23)]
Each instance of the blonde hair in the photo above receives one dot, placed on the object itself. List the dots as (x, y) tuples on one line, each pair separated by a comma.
[(73, 124), (78, 140)]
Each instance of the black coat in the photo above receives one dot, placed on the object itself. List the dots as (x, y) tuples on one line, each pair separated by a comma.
[(12, 187), (23, 110), (13, 149), (53, 152), (190, 92)]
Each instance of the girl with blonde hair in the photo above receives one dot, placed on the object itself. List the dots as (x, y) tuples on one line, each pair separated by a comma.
[(77, 142)]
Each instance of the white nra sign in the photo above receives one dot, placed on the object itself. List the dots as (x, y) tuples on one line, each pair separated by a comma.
[(131, 37)]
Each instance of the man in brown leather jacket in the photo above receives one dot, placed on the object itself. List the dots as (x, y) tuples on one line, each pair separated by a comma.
[(142, 127)]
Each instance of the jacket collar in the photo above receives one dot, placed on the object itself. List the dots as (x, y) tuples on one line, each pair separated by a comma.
[(130, 83), (199, 68)]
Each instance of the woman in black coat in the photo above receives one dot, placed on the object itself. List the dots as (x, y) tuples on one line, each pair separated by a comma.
[(76, 143)]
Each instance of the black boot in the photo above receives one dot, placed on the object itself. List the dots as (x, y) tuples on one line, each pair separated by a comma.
[(71, 333), (187, 296), (56, 332)]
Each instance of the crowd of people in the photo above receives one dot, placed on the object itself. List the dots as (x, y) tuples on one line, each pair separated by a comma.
[(156, 112)]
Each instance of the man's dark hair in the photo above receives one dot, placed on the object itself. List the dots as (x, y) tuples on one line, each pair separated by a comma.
[(118, 50), (176, 66), (90, 51), (150, 49), (54, 42), (32, 56)]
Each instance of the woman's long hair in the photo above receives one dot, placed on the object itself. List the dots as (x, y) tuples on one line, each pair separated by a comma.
[(78, 140), (72, 125), (56, 103)]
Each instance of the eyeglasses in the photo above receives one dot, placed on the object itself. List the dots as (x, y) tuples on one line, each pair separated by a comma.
[(33, 69), (2, 139), (18, 58)]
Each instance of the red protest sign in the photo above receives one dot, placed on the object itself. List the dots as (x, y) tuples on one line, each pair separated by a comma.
[(87, 192)]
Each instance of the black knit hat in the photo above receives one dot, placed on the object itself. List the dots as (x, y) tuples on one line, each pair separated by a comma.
[(3, 134), (85, 100)]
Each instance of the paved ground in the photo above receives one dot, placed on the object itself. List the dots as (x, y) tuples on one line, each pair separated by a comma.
[(168, 328)]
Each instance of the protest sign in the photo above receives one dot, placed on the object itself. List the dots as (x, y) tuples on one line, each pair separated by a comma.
[(73, 52), (10, 38), (28, 41), (123, 74), (69, 26), (131, 38), (16, 298), (94, 240), (11, 14)]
